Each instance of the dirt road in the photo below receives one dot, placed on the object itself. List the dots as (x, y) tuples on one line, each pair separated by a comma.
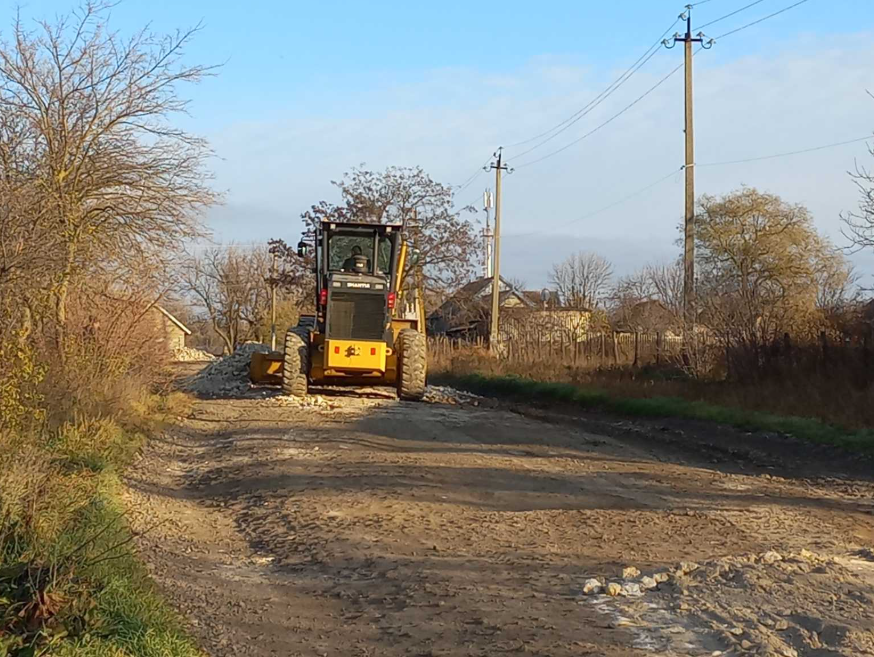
[(361, 526)]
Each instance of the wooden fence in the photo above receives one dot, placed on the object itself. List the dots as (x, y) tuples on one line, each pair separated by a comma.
[(596, 350), (841, 357)]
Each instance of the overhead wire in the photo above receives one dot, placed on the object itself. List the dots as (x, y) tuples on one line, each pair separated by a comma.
[(787, 154), (583, 113), (608, 121), (637, 65), (761, 20), (622, 200), (734, 13), (597, 100), (673, 173), (660, 82), (476, 174)]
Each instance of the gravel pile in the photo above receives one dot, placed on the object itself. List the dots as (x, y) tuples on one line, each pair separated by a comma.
[(447, 395), (228, 375), (310, 401), (189, 355), (770, 604)]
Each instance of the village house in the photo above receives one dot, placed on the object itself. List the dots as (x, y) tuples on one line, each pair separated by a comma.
[(525, 315), (172, 331)]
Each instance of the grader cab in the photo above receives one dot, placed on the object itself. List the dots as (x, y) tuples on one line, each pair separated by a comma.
[(357, 336)]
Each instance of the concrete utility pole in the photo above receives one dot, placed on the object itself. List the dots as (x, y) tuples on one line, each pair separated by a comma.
[(487, 236), (273, 304), (690, 314), (494, 335), (419, 277)]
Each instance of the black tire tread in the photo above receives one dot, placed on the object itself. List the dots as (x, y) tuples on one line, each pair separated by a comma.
[(296, 362), (412, 364)]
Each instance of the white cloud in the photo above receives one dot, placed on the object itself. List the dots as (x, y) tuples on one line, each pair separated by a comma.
[(449, 121)]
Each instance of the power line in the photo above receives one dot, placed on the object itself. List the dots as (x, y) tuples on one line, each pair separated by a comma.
[(608, 121), (476, 174), (734, 13), (788, 154), (761, 20), (597, 100), (625, 199), (622, 200), (470, 203), (586, 110), (673, 173)]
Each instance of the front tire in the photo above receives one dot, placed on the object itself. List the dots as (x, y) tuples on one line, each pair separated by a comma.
[(296, 363), (412, 365)]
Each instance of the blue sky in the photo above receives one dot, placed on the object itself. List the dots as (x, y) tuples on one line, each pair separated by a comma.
[(308, 90)]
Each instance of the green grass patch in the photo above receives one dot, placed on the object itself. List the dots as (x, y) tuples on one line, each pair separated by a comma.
[(590, 398), (70, 583), (129, 616)]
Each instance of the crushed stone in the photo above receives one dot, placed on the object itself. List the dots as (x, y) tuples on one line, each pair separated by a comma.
[(774, 604), (447, 395), (191, 355), (228, 375)]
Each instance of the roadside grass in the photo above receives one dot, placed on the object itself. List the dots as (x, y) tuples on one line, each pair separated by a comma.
[(130, 617), (70, 582), (593, 398)]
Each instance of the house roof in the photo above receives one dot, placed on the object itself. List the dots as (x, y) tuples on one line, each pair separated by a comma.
[(649, 314), (475, 289), (166, 314), (553, 302)]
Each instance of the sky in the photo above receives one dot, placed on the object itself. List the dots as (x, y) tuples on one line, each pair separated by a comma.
[(305, 91)]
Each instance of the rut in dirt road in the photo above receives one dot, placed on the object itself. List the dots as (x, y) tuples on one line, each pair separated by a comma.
[(365, 526)]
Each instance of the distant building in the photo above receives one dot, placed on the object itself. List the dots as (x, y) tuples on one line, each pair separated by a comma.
[(650, 316), (467, 313), (525, 315), (172, 331)]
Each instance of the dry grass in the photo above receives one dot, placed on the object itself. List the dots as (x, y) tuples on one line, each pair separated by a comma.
[(831, 399), (69, 584)]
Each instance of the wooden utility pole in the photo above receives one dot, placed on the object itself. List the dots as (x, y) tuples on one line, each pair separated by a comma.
[(273, 304), (494, 333), (689, 296), (419, 277)]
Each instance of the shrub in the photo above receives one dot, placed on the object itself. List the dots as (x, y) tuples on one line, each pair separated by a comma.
[(21, 404)]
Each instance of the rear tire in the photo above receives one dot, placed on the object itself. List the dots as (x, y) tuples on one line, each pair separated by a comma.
[(412, 364), (296, 363)]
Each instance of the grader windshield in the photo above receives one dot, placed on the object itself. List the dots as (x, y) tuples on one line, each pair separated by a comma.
[(357, 250)]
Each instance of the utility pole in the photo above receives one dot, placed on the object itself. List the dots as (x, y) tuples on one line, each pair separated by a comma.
[(494, 335), (488, 235), (689, 296), (273, 304), (419, 278)]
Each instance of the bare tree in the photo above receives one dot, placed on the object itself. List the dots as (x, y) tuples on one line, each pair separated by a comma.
[(231, 285), (582, 280), (86, 136), (444, 238), (650, 299), (859, 225), (666, 282)]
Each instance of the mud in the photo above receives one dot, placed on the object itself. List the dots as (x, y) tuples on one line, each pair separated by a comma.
[(367, 526)]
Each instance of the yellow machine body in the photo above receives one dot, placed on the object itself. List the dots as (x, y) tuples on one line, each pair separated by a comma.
[(346, 362), (266, 368), (355, 356)]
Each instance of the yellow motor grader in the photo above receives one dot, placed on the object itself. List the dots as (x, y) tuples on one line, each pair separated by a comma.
[(357, 336)]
